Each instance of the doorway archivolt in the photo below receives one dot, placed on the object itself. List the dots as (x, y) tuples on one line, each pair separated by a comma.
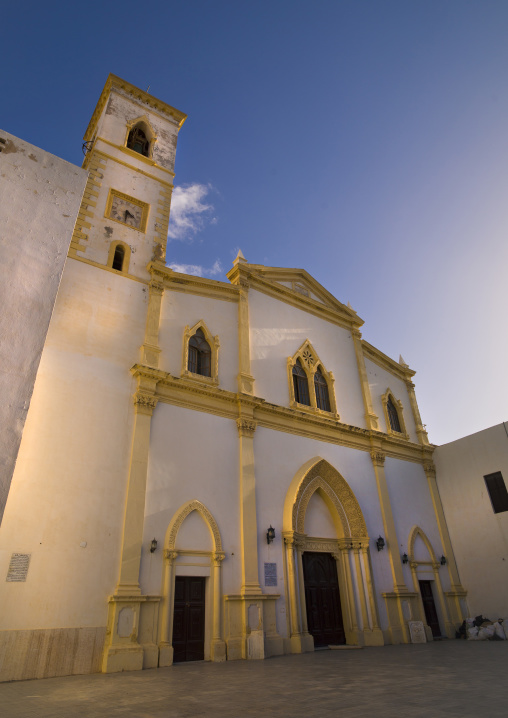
[(207, 562), (350, 549)]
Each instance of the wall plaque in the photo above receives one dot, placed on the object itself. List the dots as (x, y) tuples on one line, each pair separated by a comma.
[(18, 567), (270, 574)]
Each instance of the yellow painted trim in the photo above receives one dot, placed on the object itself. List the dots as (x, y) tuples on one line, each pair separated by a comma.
[(153, 103), (126, 197), (107, 269), (134, 155), (384, 361), (126, 256), (104, 155)]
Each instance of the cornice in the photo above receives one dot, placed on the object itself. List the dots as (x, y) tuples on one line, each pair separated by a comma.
[(179, 391), (384, 361), (136, 93), (177, 282)]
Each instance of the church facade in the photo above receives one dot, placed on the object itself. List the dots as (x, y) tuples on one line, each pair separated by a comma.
[(208, 470)]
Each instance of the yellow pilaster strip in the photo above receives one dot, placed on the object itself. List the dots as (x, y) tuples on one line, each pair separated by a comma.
[(370, 416), (248, 518), (150, 349), (420, 429), (245, 378), (95, 166)]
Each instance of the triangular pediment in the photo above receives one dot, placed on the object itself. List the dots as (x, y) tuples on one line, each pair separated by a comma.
[(300, 287)]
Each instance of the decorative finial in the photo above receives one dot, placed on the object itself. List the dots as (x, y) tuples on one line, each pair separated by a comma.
[(401, 361), (351, 308), (240, 259)]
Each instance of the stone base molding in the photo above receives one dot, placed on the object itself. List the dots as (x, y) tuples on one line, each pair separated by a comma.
[(251, 630)]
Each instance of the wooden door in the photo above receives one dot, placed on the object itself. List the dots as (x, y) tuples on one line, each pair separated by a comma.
[(189, 619), (430, 607), (322, 599)]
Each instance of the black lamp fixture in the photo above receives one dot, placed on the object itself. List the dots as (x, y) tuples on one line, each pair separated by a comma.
[(270, 534), (443, 560), (405, 558), (153, 545), (380, 543)]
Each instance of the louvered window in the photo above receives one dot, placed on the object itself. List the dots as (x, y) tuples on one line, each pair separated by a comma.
[(199, 354), (321, 389), (393, 415), (497, 492), (300, 384)]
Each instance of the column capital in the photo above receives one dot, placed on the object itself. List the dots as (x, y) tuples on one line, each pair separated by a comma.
[(246, 427), (170, 555), (144, 403), (156, 287), (218, 557), (430, 468), (378, 458)]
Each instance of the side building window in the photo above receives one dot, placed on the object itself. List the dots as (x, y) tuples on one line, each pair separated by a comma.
[(394, 415), (497, 492), (200, 359), (309, 382)]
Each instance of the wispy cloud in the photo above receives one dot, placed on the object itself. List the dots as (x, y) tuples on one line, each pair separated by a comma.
[(197, 270), (190, 213)]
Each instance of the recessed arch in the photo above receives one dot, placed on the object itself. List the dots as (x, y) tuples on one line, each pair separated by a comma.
[(306, 360), (413, 534), (116, 249), (319, 474), (180, 517), (141, 131)]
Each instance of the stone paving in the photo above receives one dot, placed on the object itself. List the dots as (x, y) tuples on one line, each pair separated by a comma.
[(446, 678)]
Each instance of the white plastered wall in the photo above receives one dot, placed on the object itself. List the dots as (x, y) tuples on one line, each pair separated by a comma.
[(379, 381), (69, 484), (479, 536), (221, 318), (178, 473), (278, 456), (277, 332), (41, 196)]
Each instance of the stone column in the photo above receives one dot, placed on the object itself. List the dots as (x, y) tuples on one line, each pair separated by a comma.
[(360, 588), (122, 650), (457, 591), (348, 580), (293, 590), (420, 429), (150, 349), (370, 415), (248, 517), (218, 647), (245, 378), (166, 632)]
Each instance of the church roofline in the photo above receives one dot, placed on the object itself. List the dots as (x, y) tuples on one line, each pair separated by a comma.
[(137, 93)]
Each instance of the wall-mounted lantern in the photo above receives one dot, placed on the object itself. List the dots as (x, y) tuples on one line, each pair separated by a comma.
[(443, 560), (270, 534), (153, 545), (405, 558), (380, 543)]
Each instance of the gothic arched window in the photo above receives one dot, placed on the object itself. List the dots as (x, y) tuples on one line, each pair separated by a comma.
[(321, 389), (393, 415), (200, 354), (138, 141), (300, 384)]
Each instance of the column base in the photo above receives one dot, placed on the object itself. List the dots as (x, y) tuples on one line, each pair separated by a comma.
[(218, 651), (301, 643), (255, 645), (165, 655), (373, 637), (122, 658)]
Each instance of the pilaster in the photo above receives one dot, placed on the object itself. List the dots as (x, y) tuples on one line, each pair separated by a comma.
[(420, 429), (150, 349), (370, 416), (248, 518)]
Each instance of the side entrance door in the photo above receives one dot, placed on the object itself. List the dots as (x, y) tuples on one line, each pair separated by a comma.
[(189, 619), (322, 599), (430, 608)]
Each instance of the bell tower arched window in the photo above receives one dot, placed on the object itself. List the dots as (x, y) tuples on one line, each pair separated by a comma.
[(321, 389), (300, 384), (118, 257), (200, 354), (138, 141)]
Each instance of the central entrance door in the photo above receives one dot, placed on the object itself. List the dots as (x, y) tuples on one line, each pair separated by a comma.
[(430, 608), (189, 619), (322, 599)]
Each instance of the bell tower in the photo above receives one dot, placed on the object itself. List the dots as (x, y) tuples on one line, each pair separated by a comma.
[(130, 147)]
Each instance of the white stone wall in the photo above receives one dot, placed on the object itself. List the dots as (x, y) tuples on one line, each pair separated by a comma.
[(479, 536), (41, 195), (277, 332), (70, 480)]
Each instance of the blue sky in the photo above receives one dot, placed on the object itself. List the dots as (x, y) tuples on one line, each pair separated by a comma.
[(366, 142)]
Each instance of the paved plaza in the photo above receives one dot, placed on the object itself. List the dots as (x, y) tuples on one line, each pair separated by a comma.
[(446, 678)]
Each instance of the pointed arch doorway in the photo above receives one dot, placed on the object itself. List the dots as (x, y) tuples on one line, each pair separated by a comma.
[(315, 613)]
